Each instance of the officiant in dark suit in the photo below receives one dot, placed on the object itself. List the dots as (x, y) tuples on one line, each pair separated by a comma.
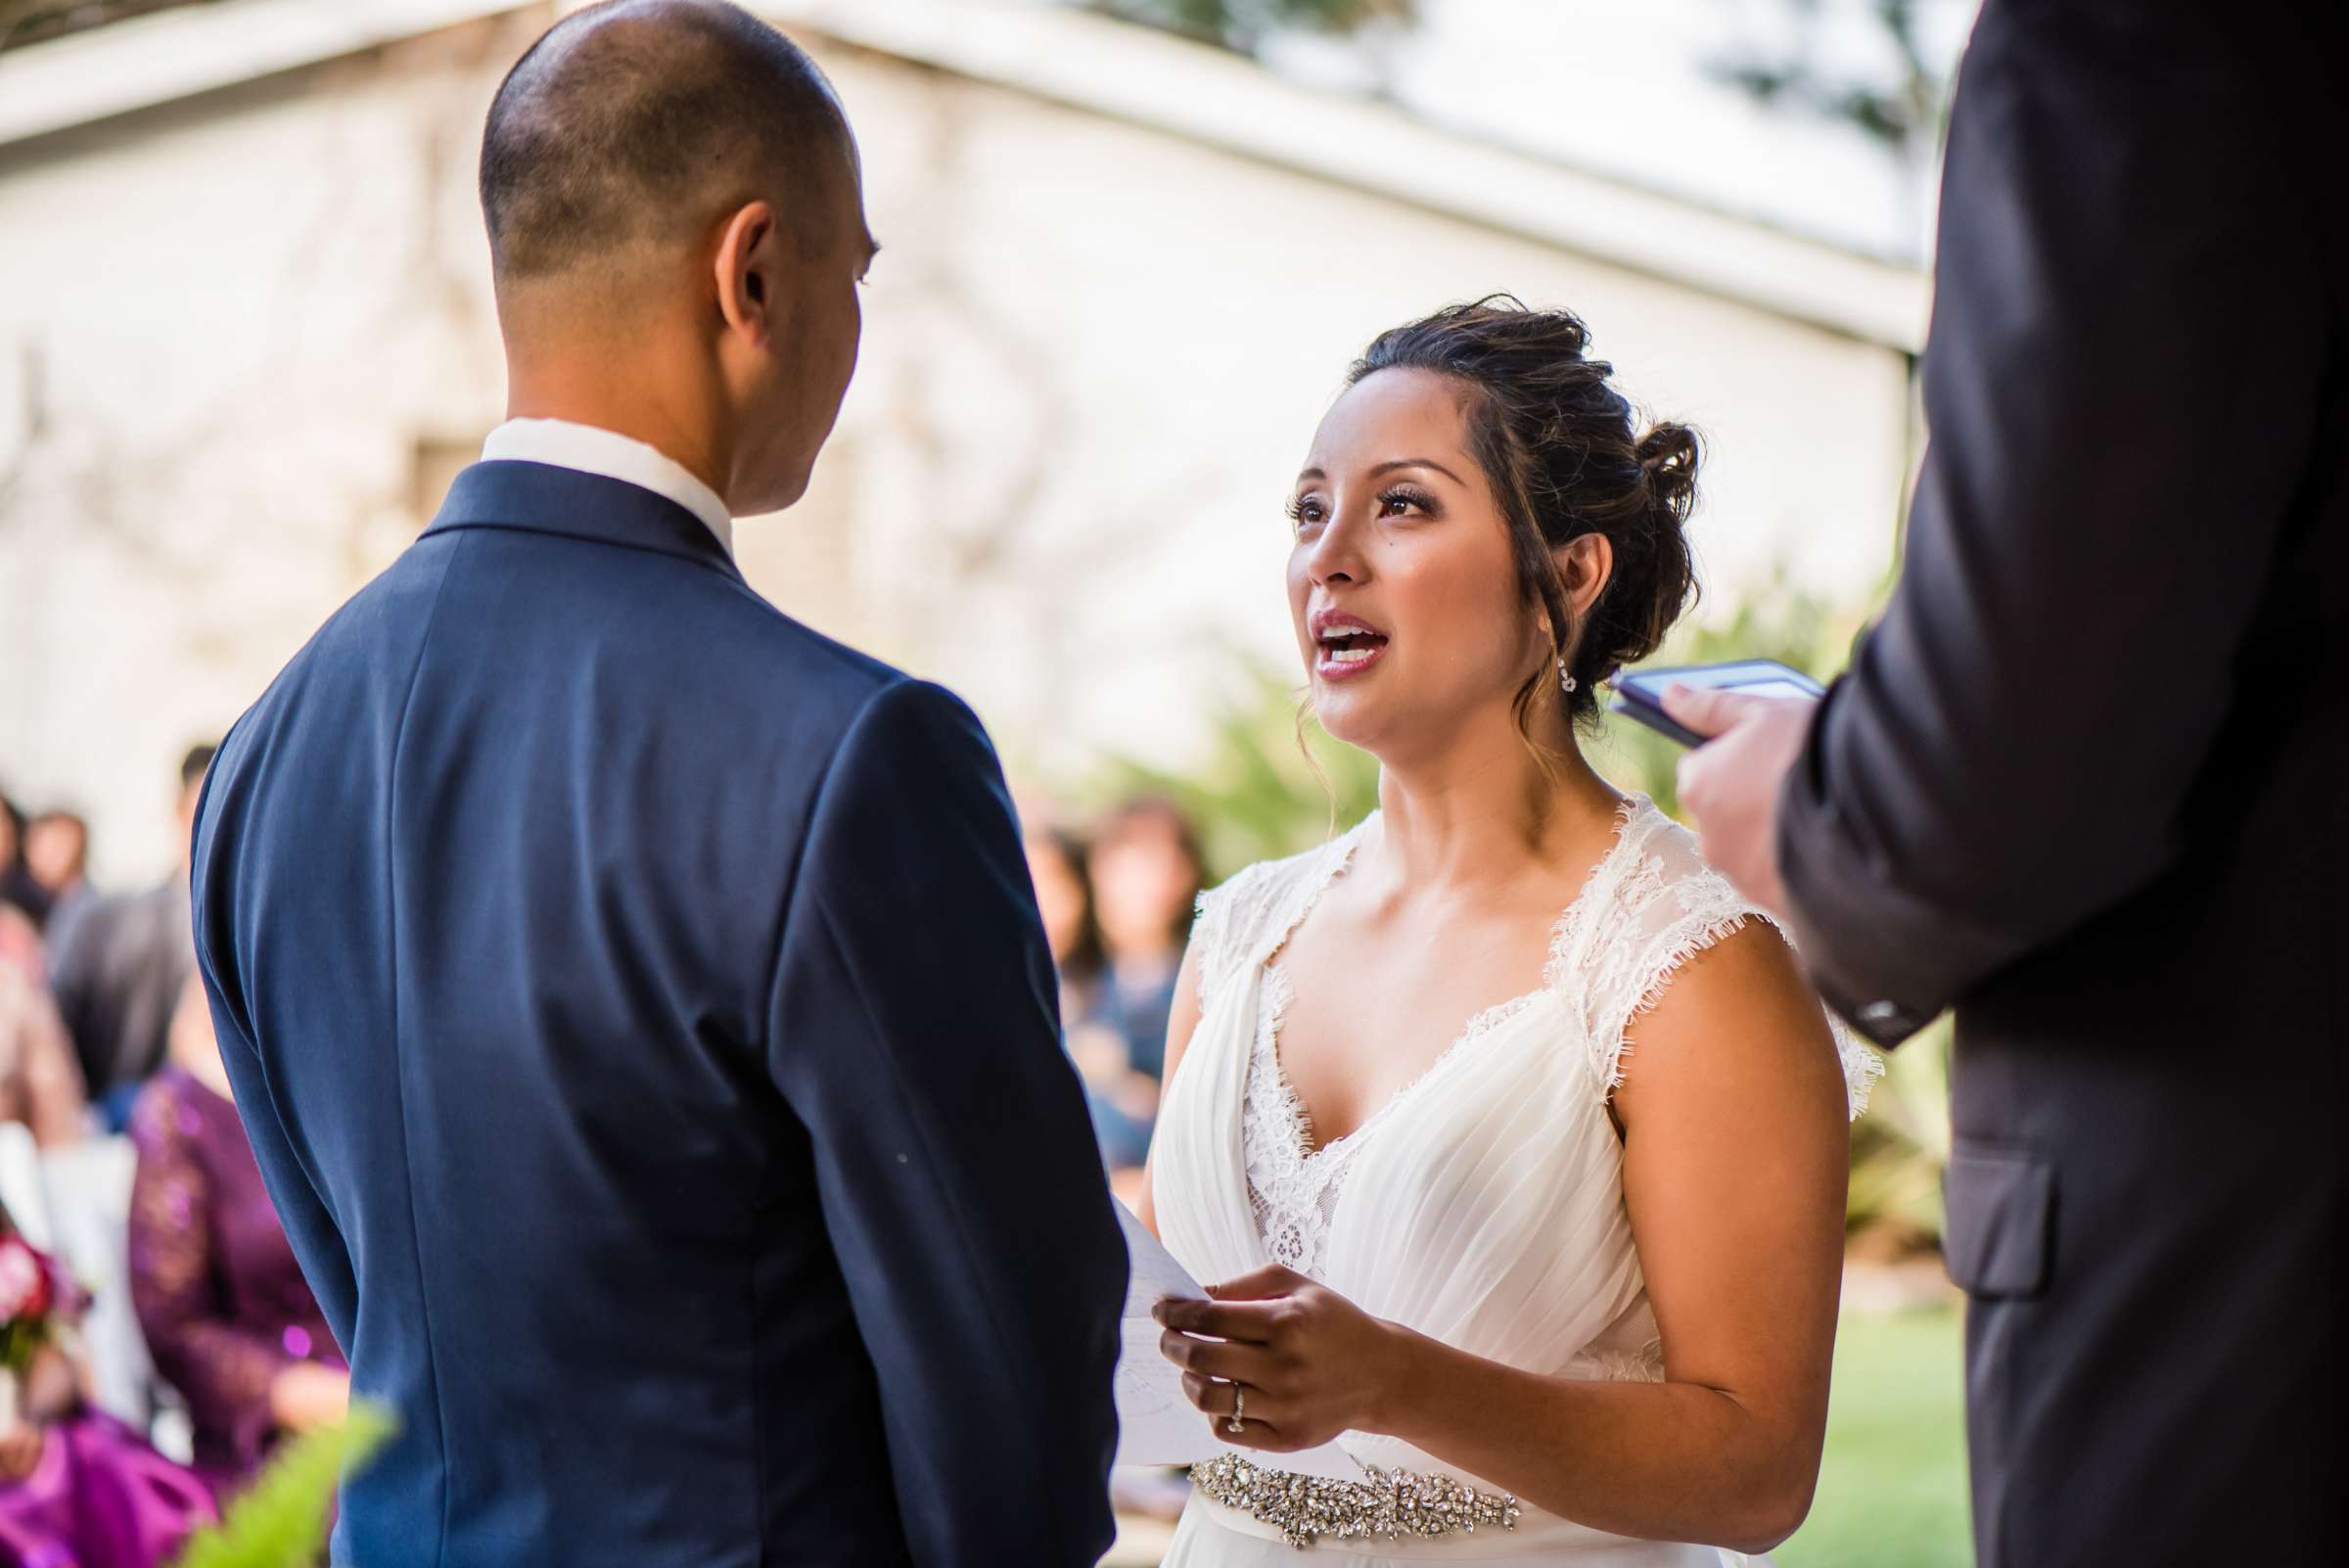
[(2088, 780), (637, 1002)]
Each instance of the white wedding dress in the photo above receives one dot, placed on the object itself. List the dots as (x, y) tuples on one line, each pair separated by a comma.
[(1482, 1206)]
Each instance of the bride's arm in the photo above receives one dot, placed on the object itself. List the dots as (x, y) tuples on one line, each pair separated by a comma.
[(1737, 1152), (1181, 1019), (1735, 1166)]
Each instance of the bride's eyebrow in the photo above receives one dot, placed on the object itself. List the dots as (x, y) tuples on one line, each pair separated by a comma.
[(1316, 476), (1416, 461)]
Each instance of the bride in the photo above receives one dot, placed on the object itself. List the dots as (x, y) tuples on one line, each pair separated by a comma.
[(1513, 1136)]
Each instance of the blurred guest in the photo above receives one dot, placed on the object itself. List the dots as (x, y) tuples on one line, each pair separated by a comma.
[(228, 1319), (1120, 1106), (1064, 898), (21, 942), (1146, 874), (57, 851), (18, 884), (40, 1086), (119, 964), (78, 1487)]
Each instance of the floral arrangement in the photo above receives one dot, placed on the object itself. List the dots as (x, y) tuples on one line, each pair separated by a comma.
[(35, 1299), (38, 1300)]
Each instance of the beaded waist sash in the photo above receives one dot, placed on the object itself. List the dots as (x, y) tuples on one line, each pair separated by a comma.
[(1387, 1505)]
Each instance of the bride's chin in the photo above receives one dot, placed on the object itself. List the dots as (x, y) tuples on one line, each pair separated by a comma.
[(1344, 716)]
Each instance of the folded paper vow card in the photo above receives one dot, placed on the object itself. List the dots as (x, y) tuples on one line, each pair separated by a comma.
[(1157, 1424)]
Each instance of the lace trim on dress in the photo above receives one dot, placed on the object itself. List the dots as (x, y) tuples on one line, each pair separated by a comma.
[(1218, 933), (1294, 1183), (1663, 906), (1333, 861), (1292, 1187), (1712, 909), (1491, 1018), (1646, 906), (1590, 901), (1644, 1363), (1862, 1066), (1234, 919)]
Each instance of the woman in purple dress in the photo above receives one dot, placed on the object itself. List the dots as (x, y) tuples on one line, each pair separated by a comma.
[(227, 1316), (78, 1487)]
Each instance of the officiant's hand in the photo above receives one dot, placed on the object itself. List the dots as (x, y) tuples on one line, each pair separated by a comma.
[(1730, 785), (1308, 1362)]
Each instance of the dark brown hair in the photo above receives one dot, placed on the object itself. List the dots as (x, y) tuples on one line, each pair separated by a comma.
[(1560, 447)]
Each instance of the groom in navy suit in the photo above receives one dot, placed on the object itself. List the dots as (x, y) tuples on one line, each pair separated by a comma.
[(636, 1001)]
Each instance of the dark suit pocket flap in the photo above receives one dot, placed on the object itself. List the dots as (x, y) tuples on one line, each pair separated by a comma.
[(2001, 1209)]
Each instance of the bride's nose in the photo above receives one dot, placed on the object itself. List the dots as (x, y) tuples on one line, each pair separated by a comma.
[(1337, 556)]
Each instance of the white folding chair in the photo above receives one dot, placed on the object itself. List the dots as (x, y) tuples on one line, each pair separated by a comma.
[(21, 1184), (88, 1190)]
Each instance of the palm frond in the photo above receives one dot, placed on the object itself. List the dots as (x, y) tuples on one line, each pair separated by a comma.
[(280, 1521)]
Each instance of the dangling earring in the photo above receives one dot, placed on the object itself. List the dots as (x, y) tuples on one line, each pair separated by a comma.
[(1565, 679)]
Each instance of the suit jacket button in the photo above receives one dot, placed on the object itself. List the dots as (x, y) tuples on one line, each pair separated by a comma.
[(1879, 1012)]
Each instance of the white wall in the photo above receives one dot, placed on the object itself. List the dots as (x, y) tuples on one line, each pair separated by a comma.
[(240, 337), (1107, 351)]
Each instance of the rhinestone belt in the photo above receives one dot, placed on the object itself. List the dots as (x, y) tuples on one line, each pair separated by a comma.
[(1390, 1503)]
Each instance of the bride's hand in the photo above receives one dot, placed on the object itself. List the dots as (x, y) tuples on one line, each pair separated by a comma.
[(1308, 1362)]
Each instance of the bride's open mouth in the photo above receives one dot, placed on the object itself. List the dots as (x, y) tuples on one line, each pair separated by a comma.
[(1344, 645)]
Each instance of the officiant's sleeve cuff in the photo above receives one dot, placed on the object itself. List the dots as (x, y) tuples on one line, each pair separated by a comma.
[(1886, 959)]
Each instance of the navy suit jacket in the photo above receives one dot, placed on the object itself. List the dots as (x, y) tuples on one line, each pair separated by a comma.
[(639, 1011)]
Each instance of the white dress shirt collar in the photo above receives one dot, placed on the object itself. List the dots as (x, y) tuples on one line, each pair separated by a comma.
[(562, 444)]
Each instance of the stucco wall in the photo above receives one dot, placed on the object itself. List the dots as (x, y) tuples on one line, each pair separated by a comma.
[(244, 340)]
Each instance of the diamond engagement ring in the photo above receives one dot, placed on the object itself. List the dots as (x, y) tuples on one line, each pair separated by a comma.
[(1239, 1409)]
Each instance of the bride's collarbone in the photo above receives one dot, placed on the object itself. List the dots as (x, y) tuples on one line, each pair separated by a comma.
[(1368, 1007)]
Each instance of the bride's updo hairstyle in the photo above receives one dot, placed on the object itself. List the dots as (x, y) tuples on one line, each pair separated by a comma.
[(1563, 456)]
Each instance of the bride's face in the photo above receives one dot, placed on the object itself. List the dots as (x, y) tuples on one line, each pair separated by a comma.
[(1402, 582)]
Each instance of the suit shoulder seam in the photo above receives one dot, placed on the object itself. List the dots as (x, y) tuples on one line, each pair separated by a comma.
[(399, 730)]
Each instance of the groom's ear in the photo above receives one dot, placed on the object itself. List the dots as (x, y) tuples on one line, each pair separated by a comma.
[(748, 268)]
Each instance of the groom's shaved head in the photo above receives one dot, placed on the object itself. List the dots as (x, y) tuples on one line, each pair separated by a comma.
[(636, 123)]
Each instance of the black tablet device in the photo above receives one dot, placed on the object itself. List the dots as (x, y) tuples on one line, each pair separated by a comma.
[(1640, 693)]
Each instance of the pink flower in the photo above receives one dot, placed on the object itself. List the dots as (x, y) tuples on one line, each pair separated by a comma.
[(25, 1286)]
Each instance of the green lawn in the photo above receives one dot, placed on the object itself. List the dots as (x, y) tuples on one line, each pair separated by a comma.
[(1892, 1489)]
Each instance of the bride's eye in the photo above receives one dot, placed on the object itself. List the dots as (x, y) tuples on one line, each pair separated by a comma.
[(1403, 500), (1306, 511)]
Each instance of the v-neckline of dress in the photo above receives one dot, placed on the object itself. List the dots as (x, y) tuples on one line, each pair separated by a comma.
[(1279, 990)]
